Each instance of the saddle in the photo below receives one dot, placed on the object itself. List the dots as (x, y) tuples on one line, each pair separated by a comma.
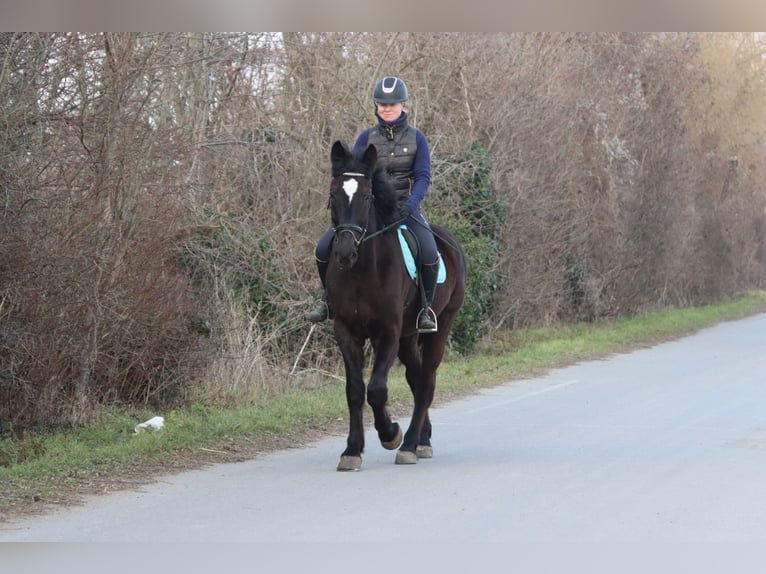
[(410, 253)]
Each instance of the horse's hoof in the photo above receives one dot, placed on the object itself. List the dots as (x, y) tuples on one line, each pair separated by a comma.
[(394, 443), (349, 463), (424, 451), (406, 457)]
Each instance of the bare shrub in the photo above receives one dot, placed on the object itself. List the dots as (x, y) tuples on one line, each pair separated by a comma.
[(97, 310), (161, 194)]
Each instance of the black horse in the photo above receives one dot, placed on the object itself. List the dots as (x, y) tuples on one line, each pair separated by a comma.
[(373, 298)]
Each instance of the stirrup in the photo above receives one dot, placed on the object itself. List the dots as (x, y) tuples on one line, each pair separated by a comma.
[(426, 321), (320, 314)]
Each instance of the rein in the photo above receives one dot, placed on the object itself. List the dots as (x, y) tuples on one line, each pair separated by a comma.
[(363, 235), (382, 231), (362, 231)]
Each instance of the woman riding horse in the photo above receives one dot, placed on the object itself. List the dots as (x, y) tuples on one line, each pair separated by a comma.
[(403, 152), (371, 293)]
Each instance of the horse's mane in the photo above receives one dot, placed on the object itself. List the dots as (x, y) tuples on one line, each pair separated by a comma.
[(387, 198)]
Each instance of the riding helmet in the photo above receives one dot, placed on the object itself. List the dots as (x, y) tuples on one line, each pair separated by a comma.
[(390, 90)]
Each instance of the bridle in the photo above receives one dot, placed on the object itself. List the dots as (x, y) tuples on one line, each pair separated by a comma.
[(354, 229), (358, 233)]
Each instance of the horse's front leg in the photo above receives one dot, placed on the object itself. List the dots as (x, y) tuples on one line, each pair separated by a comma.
[(389, 432), (353, 358)]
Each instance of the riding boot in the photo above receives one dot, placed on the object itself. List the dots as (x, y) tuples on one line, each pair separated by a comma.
[(323, 311), (427, 317)]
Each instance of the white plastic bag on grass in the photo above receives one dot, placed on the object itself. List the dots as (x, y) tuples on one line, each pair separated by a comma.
[(155, 423)]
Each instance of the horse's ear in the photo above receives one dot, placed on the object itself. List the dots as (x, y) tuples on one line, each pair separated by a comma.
[(370, 157), (339, 151), (338, 156)]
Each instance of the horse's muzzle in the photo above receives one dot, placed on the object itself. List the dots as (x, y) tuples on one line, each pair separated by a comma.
[(347, 245), (346, 252), (347, 261)]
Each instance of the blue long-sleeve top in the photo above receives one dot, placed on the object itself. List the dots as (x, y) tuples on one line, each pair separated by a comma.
[(421, 167)]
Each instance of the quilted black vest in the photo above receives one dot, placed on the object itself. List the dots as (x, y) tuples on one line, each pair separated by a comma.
[(396, 152)]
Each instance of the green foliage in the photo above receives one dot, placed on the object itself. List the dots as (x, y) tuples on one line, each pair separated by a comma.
[(470, 208), (480, 205), (19, 450), (228, 254), (481, 284)]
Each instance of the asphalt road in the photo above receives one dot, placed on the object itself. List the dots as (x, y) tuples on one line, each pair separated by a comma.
[(666, 444)]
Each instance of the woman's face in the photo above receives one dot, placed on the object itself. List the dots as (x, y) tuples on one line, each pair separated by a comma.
[(390, 112)]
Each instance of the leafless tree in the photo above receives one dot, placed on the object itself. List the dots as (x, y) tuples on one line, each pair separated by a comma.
[(162, 193)]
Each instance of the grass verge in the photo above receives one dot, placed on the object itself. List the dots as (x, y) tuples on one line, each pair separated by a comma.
[(40, 470)]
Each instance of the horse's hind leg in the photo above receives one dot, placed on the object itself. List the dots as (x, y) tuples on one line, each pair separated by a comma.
[(424, 448), (421, 377)]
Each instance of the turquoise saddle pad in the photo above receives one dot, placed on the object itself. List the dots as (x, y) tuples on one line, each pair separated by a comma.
[(409, 259)]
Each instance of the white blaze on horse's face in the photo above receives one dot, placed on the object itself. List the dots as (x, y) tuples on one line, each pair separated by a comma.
[(350, 186)]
